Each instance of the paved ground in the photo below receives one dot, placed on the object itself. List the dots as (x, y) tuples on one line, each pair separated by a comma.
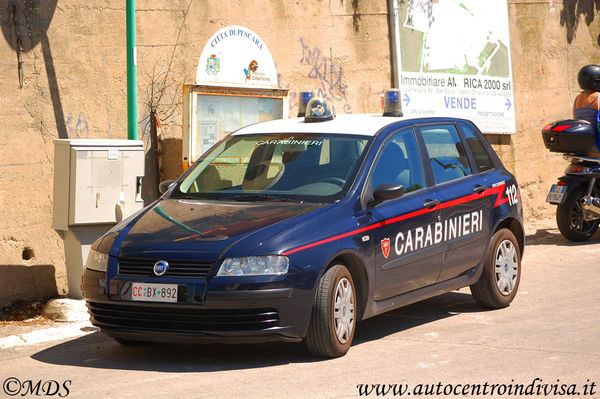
[(551, 332)]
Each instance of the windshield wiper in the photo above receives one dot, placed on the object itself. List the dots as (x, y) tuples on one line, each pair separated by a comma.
[(191, 196), (260, 197)]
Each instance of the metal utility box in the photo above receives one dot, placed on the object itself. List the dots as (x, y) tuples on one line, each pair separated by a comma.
[(96, 181)]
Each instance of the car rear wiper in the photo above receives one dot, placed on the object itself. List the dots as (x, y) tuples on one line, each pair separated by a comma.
[(260, 197)]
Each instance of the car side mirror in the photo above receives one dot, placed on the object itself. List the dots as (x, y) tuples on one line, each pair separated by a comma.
[(386, 192), (165, 185)]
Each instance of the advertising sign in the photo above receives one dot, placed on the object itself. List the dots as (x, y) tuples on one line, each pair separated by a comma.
[(455, 61), (236, 56)]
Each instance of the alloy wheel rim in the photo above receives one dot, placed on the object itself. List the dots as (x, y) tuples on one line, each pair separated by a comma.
[(343, 310), (506, 267)]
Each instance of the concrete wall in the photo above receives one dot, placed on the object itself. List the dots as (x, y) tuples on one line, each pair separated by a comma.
[(74, 86), (550, 41)]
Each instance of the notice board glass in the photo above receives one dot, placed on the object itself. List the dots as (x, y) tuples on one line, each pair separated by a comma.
[(212, 112)]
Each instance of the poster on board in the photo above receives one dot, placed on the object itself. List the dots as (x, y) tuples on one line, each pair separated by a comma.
[(455, 61)]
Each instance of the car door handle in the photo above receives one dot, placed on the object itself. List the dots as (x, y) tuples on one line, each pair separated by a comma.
[(431, 203), (479, 188)]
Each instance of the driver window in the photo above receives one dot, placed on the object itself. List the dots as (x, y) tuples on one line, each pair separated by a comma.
[(399, 163), (446, 153)]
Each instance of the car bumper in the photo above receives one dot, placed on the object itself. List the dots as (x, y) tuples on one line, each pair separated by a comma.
[(271, 313)]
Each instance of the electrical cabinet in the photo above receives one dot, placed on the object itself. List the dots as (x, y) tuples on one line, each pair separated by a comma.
[(96, 181)]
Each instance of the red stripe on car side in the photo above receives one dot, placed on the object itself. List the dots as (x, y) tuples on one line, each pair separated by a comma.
[(468, 198), (499, 199)]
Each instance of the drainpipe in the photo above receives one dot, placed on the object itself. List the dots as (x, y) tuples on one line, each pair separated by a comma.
[(132, 133), (394, 25)]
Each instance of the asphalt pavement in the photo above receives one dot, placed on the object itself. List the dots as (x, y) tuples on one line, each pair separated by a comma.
[(546, 342)]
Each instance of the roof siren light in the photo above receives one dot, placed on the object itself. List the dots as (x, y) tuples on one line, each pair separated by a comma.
[(305, 97), (392, 104), (317, 110)]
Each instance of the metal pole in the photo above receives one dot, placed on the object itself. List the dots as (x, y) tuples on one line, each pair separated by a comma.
[(132, 133), (394, 22)]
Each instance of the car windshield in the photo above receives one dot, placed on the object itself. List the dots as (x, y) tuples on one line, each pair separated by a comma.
[(278, 167)]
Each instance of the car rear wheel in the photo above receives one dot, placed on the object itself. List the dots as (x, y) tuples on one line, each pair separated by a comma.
[(333, 319), (499, 281)]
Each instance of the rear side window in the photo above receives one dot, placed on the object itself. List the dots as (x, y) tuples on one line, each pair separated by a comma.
[(482, 157), (446, 153)]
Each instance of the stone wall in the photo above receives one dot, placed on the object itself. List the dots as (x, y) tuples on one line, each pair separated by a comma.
[(74, 86)]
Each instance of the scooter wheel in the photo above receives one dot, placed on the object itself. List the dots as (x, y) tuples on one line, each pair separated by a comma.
[(569, 218)]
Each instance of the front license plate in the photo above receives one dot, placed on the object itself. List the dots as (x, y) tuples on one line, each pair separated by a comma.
[(556, 194), (154, 292)]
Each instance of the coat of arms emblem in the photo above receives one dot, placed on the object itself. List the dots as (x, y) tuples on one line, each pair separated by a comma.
[(385, 247), (213, 65)]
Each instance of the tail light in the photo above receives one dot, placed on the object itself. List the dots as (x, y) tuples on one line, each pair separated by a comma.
[(560, 128)]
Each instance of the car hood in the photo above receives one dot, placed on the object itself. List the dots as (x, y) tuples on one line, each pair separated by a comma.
[(202, 229)]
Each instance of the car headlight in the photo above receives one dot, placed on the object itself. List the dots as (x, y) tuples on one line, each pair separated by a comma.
[(96, 261), (254, 266)]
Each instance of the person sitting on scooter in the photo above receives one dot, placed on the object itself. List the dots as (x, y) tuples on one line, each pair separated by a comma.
[(587, 103)]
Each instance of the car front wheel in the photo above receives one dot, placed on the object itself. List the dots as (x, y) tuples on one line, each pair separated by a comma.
[(499, 281), (333, 319)]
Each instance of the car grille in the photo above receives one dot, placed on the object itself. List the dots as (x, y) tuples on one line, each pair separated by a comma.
[(181, 319), (177, 268)]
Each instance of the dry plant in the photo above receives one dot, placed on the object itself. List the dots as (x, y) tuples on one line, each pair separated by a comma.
[(163, 98)]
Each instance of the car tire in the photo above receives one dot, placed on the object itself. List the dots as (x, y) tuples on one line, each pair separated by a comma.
[(569, 218), (333, 319), (499, 281)]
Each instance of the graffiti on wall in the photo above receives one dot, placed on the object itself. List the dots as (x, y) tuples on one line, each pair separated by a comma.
[(573, 11), (77, 128), (328, 76)]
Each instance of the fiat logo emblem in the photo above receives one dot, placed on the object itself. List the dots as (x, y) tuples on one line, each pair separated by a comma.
[(161, 267)]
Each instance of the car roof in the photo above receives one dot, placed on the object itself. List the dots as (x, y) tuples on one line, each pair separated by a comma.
[(362, 124)]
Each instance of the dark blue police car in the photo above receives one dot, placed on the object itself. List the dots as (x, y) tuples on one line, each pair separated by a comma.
[(297, 229)]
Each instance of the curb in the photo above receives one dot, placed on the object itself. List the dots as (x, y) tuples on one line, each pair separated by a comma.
[(66, 310), (47, 335)]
